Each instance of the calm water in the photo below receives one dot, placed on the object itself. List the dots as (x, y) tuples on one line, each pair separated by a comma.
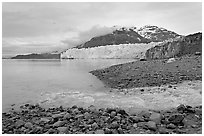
[(25, 80)]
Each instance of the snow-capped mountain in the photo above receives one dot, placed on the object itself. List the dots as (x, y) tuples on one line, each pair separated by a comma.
[(131, 35), (118, 36), (156, 34)]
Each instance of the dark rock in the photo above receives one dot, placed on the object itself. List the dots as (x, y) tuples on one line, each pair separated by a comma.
[(142, 90), (121, 111), (143, 59), (74, 107), (176, 118), (109, 110), (181, 108)]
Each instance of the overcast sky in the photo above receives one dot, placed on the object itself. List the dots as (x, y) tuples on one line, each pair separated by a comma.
[(41, 27)]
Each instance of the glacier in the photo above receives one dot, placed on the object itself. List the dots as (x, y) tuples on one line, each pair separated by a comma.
[(122, 51)]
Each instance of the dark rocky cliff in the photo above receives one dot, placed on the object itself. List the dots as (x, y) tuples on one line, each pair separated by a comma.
[(190, 44)]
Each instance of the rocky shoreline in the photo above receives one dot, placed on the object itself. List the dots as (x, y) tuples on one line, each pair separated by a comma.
[(33, 119), (151, 73)]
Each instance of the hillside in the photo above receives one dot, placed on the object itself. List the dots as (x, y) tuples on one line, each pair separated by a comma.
[(38, 56), (190, 44)]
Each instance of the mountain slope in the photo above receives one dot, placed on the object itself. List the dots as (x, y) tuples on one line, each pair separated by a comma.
[(115, 38)]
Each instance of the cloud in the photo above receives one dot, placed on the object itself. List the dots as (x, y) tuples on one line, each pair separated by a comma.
[(84, 36)]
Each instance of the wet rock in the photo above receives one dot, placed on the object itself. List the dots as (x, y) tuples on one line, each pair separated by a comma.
[(28, 125), (19, 123), (62, 130), (171, 126), (151, 125), (156, 117), (176, 119), (58, 124)]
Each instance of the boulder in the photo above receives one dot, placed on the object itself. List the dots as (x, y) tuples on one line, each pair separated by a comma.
[(156, 117), (176, 119), (151, 125)]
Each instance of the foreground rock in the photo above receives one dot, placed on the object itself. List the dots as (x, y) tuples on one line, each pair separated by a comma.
[(33, 119)]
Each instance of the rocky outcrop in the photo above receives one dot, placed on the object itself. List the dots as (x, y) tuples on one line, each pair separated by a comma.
[(109, 51), (38, 56), (191, 44)]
